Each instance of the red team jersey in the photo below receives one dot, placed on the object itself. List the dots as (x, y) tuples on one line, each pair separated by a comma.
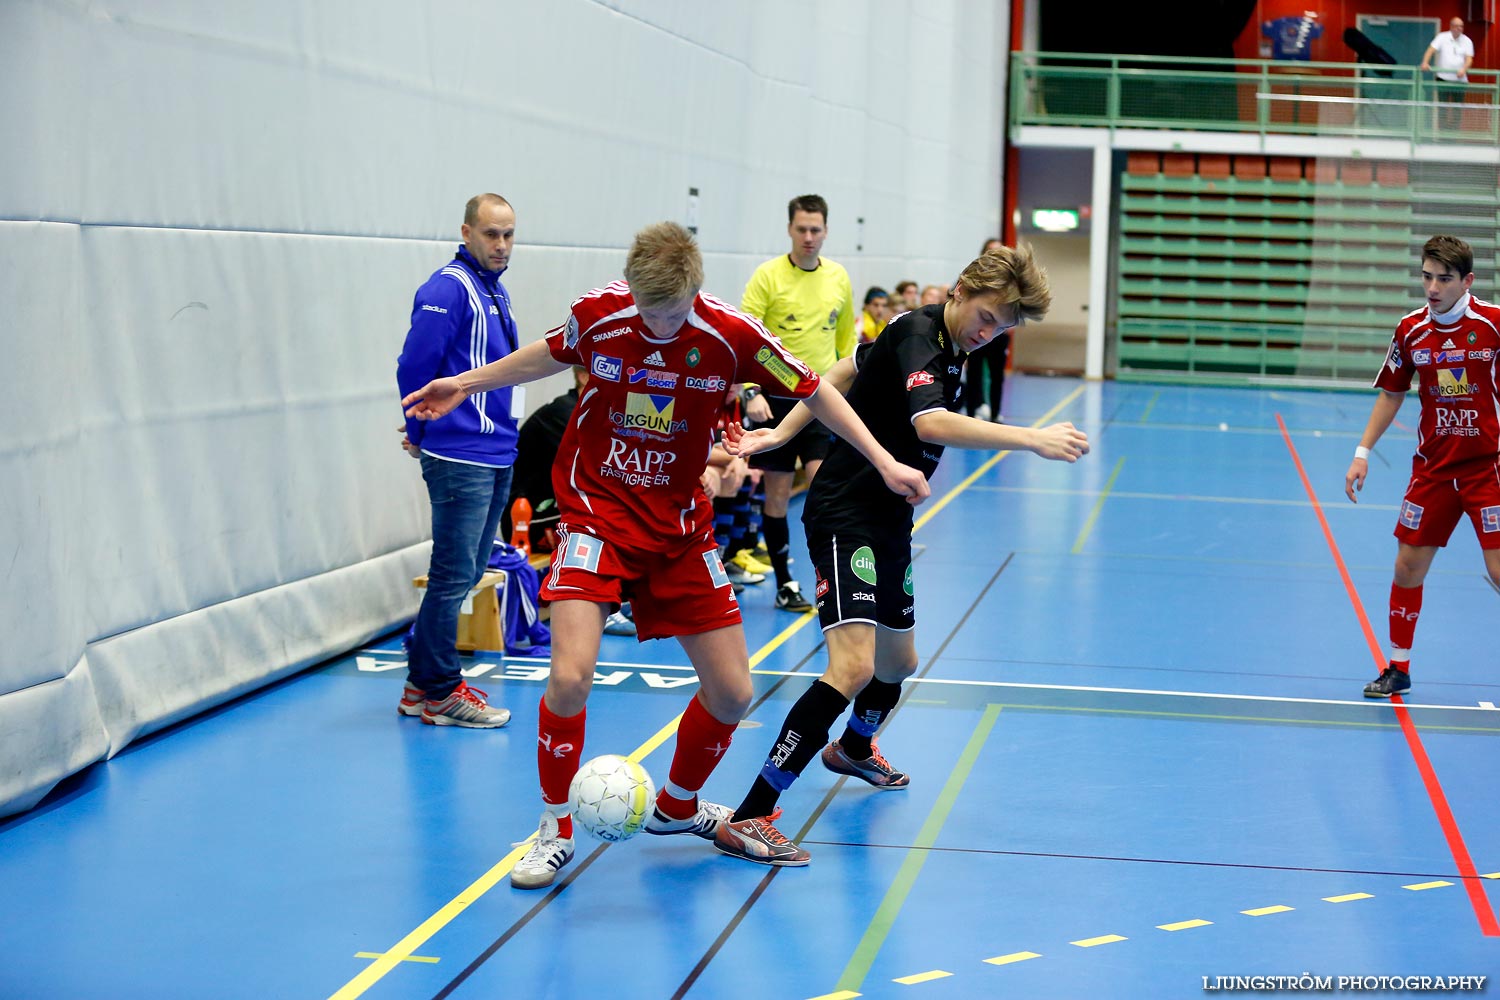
[(639, 439), (1456, 365)]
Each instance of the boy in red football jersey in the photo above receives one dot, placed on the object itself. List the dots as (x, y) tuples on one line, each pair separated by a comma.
[(1451, 347), (634, 522)]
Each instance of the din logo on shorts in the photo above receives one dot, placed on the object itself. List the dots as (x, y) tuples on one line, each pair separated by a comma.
[(863, 564), (906, 584), (1411, 514), (716, 572), (1489, 519)]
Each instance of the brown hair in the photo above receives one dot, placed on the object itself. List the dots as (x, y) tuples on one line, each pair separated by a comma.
[(1451, 252), (471, 210), (663, 265), (807, 203), (1012, 274)]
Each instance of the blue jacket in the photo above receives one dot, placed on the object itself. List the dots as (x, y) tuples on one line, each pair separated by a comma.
[(461, 319)]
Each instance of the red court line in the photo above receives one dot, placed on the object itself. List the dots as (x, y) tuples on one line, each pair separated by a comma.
[(1465, 865)]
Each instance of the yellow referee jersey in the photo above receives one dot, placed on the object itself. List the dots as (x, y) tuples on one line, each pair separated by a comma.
[(811, 312)]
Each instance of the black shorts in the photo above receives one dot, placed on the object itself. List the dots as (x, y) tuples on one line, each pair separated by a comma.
[(810, 444), (864, 575)]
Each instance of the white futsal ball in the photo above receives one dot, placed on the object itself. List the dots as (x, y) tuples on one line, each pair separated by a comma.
[(611, 797)]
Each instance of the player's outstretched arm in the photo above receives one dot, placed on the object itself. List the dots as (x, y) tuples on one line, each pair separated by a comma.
[(1060, 442), (1381, 414), (443, 395), (839, 417)]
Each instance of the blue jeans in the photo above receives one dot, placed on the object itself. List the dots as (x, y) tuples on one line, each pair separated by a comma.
[(467, 501)]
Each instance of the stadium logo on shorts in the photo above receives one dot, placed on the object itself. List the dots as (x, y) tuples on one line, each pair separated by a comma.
[(606, 368), (863, 564), (918, 378), (906, 584), (1489, 518), (1411, 514)]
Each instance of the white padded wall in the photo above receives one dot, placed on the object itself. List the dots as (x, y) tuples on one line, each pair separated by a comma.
[(212, 221)]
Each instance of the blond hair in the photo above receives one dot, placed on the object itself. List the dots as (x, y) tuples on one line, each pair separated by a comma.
[(663, 265), (1012, 274)]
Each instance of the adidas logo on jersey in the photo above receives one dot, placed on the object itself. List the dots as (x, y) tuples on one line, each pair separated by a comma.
[(654, 358), (1448, 345)]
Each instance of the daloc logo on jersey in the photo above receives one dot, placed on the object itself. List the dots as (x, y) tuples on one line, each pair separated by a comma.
[(606, 368)]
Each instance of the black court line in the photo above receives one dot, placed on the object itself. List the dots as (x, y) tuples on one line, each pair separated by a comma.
[(828, 797), (567, 880), (1238, 866), (516, 927)]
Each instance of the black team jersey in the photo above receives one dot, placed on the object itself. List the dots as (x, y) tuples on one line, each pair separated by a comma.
[(913, 367)]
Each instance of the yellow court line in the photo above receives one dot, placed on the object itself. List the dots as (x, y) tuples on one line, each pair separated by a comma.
[(922, 977), (1015, 956), (1095, 942), (840, 995), (1184, 925), (1267, 911), (387, 961), (1418, 887), (1348, 898), (1088, 525), (408, 958)]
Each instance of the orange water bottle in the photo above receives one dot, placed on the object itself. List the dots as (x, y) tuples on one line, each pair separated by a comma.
[(520, 525)]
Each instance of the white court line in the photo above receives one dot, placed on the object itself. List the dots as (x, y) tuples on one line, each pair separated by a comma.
[(1192, 497), (1170, 694), (1483, 706)]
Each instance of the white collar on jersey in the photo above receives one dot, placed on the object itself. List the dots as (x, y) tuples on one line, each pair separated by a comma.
[(1453, 315)]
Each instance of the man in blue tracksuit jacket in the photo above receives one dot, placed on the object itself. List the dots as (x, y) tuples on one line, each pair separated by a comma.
[(460, 319)]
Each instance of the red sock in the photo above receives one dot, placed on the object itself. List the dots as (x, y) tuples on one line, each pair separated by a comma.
[(559, 748), (1406, 604), (701, 742)]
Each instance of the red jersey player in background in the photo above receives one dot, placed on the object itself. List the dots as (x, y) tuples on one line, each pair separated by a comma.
[(1451, 347), (634, 522)]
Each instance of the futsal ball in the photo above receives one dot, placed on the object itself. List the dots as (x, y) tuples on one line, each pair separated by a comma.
[(611, 797)]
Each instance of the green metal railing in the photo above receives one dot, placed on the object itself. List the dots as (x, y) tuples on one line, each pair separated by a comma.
[(1252, 95)]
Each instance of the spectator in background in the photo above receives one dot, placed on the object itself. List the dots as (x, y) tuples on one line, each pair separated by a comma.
[(876, 315), (906, 297), (934, 295), (460, 319), (1453, 54), (986, 368), (808, 303)]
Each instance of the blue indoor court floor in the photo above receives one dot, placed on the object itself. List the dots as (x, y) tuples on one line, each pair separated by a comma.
[(1139, 756)]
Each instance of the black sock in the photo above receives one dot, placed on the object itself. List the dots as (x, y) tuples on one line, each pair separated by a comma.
[(803, 735), (778, 542), (871, 706)]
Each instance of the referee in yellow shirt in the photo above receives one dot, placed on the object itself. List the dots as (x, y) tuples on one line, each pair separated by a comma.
[(806, 300)]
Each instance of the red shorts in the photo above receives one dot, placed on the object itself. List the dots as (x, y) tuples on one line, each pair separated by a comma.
[(675, 591), (1431, 508)]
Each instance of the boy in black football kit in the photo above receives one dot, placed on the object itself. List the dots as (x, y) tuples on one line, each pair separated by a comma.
[(907, 390)]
